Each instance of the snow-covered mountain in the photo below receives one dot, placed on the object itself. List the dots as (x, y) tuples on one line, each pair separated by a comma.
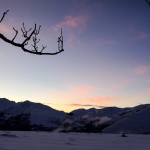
[(93, 112), (91, 120), (110, 120), (35, 116), (135, 121), (29, 116), (5, 104)]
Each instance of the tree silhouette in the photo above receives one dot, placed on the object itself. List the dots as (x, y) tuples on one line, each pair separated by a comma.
[(31, 35)]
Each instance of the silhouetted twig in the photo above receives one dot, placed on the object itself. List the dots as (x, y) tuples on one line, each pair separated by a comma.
[(148, 2), (4, 15), (28, 34)]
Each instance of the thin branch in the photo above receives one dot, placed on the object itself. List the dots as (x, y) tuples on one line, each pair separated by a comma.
[(15, 34), (26, 50), (148, 2), (24, 31), (37, 31), (43, 47), (27, 38), (28, 34), (60, 42), (4, 15)]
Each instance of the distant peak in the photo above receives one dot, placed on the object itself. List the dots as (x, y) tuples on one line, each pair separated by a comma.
[(5, 100)]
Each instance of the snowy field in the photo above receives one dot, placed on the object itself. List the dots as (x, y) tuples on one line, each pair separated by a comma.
[(15, 140)]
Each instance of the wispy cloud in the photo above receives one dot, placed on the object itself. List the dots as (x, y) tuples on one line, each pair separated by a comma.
[(83, 90), (99, 100), (86, 105), (137, 35), (76, 92), (75, 22), (5, 29), (141, 36), (141, 70)]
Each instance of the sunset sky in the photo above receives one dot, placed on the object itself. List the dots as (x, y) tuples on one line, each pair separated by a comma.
[(106, 61)]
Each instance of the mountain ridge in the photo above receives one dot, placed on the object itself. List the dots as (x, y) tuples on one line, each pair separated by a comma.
[(30, 116)]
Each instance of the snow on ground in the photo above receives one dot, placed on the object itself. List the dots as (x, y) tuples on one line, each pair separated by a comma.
[(17, 140)]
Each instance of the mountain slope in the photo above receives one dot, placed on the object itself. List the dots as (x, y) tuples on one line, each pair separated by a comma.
[(5, 104), (93, 112), (111, 120), (136, 121), (29, 115)]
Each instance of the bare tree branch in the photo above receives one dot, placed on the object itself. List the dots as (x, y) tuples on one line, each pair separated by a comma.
[(15, 34), (28, 34), (4, 15), (148, 2)]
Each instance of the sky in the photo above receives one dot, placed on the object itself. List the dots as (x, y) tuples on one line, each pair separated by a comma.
[(106, 61)]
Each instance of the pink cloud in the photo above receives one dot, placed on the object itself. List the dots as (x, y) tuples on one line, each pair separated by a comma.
[(72, 22), (5, 29), (99, 100), (102, 100), (83, 90), (76, 92), (137, 35), (141, 70), (141, 36)]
